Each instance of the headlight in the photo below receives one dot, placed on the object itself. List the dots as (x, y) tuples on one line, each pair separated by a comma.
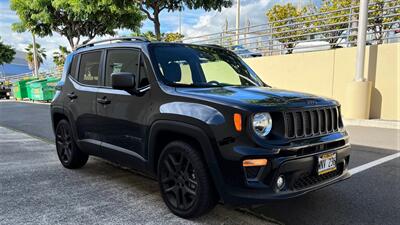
[(262, 124), (8, 93)]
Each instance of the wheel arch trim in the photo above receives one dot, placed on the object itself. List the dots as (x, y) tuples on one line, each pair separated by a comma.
[(195, 132)]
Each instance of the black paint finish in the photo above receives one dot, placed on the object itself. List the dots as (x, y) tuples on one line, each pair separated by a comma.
[(132, 126)]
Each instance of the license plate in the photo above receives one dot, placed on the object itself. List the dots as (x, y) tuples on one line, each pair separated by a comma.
[(326, 163)]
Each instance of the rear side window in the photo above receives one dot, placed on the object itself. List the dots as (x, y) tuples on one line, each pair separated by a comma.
[(74, 64), (89, 68), (121, 60)]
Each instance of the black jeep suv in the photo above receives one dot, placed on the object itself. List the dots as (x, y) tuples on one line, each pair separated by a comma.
[(199, 120)]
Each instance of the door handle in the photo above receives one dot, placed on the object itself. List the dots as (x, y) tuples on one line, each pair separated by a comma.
[(72, 95), (103, 101)]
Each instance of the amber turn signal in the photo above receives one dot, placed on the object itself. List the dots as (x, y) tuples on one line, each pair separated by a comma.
[(255, 162), (237, 119)]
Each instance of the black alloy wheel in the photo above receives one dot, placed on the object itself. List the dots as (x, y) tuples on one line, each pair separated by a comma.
[(184, 181), (68, 153)]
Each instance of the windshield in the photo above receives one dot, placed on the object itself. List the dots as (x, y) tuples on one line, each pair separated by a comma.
[(201, 66)]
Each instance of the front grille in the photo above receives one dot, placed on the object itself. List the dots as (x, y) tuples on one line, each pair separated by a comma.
[(312, 122), (307, 180)]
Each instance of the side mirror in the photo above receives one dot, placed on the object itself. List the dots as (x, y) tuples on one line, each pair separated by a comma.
[(123, 81)]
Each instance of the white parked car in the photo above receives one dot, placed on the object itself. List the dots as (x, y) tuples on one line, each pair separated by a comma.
[(311, 46)]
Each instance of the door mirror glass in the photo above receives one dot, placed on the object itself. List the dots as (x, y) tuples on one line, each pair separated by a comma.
[(123, 81)]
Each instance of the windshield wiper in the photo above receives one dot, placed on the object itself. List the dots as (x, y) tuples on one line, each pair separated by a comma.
[(249, 80)]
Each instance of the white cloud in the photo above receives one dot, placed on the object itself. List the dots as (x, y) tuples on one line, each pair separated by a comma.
[(194, 23), (21, 40), (213, 22)]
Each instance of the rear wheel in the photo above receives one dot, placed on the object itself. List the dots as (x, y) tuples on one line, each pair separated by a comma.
[(185, 183), (68, 153)]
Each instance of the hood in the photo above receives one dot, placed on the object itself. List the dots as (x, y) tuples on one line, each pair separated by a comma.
[(257, 97)]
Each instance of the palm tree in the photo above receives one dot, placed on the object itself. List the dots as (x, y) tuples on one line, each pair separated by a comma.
[(60, 56), (41, 54)]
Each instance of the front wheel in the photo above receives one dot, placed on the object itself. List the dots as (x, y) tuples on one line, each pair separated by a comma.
[(185, 183), (69, 154)]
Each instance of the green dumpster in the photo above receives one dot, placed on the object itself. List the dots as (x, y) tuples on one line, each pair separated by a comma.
[(51, 86), (43, 90), (20, 88), (33, 88)]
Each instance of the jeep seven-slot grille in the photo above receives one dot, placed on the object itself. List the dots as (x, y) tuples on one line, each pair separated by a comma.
[(312, 122)]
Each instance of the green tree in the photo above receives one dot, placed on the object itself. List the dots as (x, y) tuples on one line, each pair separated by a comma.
[(286, 24), (173, 37), (41, 55), (76, 19), (335, 19), (153, 8), (149, 35), (60, 56), (384, 15), (7, 53), (168, 37)]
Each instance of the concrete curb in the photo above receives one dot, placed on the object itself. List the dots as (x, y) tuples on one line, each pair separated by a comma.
[(373, 123), (29, 102)]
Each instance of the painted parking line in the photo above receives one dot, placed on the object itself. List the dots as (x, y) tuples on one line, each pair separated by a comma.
[(374, 163)]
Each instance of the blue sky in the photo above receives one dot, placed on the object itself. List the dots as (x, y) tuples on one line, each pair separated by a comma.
[(194, 23)]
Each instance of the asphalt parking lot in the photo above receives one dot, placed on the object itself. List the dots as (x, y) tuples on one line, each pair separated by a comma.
[(36, 189)]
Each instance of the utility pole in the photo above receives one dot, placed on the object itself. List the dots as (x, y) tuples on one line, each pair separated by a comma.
[(35, 61), (237, 22), (180, 20), (361, 40), (358, 93)]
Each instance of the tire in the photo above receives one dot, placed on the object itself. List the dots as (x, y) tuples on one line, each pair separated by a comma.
[(7, 97), (185, 184), (69, 154)]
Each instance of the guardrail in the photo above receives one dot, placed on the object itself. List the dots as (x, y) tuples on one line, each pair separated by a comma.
[(16, 77), (312, 32)]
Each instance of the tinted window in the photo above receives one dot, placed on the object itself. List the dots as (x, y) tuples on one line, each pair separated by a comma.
[(202, 66), (143, 80), (121, 60), (74, 64), (89, 68)]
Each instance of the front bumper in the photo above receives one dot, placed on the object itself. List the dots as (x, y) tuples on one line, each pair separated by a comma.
[(258, 185)]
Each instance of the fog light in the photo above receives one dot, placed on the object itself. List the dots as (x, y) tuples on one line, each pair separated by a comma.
[(280, 182)]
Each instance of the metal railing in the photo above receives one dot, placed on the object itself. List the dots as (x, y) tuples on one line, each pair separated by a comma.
[(311, 32), (13, 78)]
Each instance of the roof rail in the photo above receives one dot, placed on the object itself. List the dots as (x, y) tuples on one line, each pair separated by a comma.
[(214, 45), (113, 39)]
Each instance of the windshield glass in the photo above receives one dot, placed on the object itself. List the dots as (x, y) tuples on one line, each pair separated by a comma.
[(201, 66)]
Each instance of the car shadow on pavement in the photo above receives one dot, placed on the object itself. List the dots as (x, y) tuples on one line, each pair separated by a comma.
[(117, 187)]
